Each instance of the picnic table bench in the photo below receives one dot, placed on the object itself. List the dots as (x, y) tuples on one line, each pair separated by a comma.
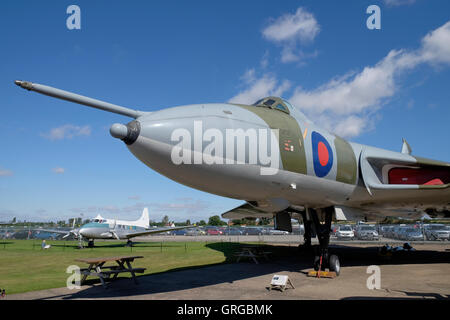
[(98, 269), (252, 252)]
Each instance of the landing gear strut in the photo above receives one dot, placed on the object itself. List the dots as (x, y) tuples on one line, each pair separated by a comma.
[(80, 242), (129, 243), (322, 260), (307, 223), (91, 244)]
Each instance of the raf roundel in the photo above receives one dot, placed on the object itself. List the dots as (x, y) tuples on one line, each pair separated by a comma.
[(322, 155)]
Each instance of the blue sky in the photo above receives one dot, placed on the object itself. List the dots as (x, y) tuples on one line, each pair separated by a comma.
[(58, 159)]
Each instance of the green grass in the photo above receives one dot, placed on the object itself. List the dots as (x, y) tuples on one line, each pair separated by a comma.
[(25, 267)]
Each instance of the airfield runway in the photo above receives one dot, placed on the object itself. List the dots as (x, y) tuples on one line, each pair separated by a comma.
[(422, 274)]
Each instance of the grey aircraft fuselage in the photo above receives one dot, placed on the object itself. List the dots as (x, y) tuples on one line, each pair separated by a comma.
[(300, 179), (314, 168)]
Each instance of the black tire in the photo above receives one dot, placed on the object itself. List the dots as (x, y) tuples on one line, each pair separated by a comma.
[(335, 265)]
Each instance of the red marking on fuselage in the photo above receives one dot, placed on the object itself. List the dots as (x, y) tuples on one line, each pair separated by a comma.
[(323, 154)]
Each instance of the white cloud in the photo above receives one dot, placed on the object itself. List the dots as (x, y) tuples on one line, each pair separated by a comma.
[(265, 60), (396, 3), (67, 131), (436, 45), (259, 88), (350, 98), (288, 55), (301, 26), (350, 126), (58, 170), (5, 173), (291, 29), (346, 105)]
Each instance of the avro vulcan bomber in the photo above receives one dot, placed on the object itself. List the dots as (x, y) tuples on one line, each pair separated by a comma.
[(280, 163)]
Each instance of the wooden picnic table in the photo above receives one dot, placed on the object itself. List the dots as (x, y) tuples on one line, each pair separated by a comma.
[(98, 269), (252, 252)]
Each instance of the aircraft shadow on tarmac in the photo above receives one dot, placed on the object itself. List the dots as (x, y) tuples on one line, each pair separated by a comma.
[(408, 296), (282, 259)]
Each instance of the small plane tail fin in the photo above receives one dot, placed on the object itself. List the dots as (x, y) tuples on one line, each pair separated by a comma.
[(144, 220)]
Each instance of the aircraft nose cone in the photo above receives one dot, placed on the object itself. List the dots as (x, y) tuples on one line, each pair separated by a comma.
[(118, 131), (127, 133)]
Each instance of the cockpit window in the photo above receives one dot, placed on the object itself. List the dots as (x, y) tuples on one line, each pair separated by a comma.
[(258, 102), (274, 103), (281, 107), (287, 104), (269, 102)]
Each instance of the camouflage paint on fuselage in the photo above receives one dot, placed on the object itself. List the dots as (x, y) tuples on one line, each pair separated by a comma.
[(292, 147), (347, 167)]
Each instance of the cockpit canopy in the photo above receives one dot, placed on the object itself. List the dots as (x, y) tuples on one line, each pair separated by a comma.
[(274, 103), (98, 219)]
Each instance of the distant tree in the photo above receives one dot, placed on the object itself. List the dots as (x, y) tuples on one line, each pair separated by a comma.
[(237, 222), (165, 220), (215, 221), (188, 222), (264, 221), (202, 223), (249, 222)]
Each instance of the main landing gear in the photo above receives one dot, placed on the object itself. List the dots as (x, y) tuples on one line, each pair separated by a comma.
[(129, 243), (307, 223), (90, 243), (322, 259)]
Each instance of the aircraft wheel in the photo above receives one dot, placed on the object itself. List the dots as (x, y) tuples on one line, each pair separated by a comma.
[(335, 265)]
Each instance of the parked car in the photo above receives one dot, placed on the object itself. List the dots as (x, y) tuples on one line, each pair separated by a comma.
[(181, 232), (384, 231), (367, 232), (437, 232), (389, 233), (412, 234), (232, 232), (345, 232), (277, 232), (253, 231), (213, 232), (396, 231), (401, 233), (195, 232), (298, 229)]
